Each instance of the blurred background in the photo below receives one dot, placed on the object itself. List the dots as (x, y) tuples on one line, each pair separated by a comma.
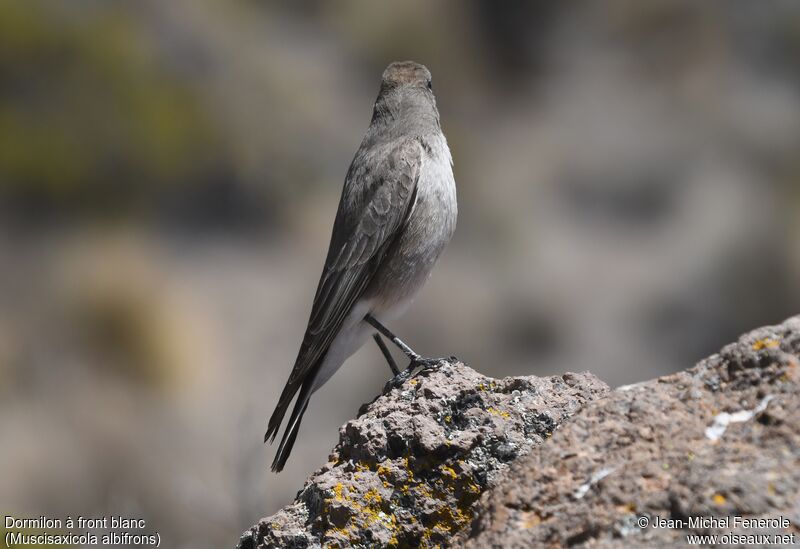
[(629, 194)]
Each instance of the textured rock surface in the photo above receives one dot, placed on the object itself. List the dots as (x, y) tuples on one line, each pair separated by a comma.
[(720, 439), (410, 469), (452, 457)]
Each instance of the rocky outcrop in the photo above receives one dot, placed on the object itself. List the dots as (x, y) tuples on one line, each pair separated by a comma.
[(719, 440), (451, 457), (410, 469)]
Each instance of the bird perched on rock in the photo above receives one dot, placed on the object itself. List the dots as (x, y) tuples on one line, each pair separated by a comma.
[(396, 214)]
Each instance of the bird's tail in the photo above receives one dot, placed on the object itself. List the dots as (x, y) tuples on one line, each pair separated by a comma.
[(276, 418), (292, 428)]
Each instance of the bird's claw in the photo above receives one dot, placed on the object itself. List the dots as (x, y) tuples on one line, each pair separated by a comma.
[(418, 365), (421, 364), (425, 363)]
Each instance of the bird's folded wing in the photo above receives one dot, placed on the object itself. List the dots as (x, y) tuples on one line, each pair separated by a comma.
[(382, 190)]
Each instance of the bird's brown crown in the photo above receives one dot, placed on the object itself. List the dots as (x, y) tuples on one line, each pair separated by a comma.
[(406, 72)]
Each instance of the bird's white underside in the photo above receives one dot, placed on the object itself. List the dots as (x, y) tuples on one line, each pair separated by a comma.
[(354, 333)]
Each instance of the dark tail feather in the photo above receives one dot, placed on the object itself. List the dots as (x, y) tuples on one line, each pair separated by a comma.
[(280, 410), (292, 428)]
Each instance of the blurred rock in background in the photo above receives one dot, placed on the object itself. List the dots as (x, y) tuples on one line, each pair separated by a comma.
[(629, 191)]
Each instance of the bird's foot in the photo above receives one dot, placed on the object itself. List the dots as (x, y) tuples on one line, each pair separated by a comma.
[(420, 363), (417, 365)]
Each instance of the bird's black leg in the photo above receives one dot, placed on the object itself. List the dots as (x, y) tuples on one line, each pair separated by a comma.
[(408, 351), (416, 358), (385, 350)]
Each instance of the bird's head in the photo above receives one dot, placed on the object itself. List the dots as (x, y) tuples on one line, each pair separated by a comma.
[(406, 96), (406, 74)]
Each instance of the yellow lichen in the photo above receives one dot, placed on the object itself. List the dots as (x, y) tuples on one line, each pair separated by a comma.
[(449, 471), (341, 532), (472, 487), (627, 508), (455, 494), (766, 343), (424, 490), (446, 521), (370, 509), (496, 412), (368, 512), (384, 473), (719, 499), (372, 496), (408, 469)]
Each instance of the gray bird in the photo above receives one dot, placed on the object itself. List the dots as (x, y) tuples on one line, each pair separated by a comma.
[(396, 214)]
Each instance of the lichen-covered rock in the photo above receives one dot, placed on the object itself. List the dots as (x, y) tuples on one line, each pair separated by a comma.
[(719, 440), (411, 468), (452, 458)]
